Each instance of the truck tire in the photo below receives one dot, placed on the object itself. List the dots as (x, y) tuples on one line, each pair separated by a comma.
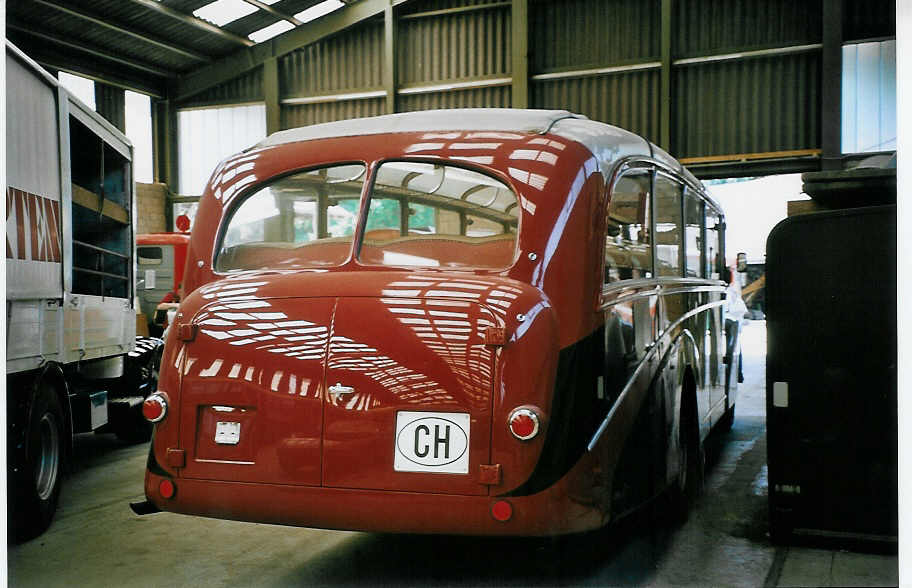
[(35, 483)]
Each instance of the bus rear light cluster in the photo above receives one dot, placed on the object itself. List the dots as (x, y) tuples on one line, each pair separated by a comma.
[(155, 407), (524, 423)]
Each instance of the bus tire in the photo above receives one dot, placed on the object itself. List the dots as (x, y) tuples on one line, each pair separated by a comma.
[(35, 483), (689, 483), (727, 420)]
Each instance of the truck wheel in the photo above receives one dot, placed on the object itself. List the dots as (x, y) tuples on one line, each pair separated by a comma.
[(35, 486)]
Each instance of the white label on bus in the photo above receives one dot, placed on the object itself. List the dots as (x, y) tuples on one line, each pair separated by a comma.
[(150, 279), (227, 433), (435, 442), (780, 394)]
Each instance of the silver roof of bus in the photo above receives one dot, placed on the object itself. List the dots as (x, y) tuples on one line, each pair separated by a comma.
[(608, 143)]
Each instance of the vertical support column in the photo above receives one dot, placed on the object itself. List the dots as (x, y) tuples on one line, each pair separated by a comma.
[(519, 52), (164, 151), (831, 87), (110, 102), (271, 95), (390, 72), (665, 104)]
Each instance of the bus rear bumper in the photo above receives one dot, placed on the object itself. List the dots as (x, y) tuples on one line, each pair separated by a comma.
[(550, 512)]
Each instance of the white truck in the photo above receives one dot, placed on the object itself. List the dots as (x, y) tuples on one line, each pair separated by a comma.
[(73, 363)]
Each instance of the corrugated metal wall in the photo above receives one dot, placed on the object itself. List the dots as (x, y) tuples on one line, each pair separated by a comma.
[(601, 58), (454, 47), (311, 114), (709, 27), (496, 97), (627, 100), (868, 19), (583, 34), (756, 106), (243, 89), (351, 62)]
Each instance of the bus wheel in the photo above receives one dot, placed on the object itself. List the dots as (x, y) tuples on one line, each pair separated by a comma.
[(35, 485), (727, 420), (689, 483)]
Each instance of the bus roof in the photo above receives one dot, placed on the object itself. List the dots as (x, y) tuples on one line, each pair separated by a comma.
[(607, 143)]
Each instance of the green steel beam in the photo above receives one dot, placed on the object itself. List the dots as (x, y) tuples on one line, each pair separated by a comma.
[(271, 95), (831, 86), (519, 52), (665, 103), (390, 73), (244, 60), (198, 23)]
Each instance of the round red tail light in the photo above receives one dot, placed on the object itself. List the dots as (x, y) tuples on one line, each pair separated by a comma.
[(166, 488), (502, 511), (524, 423), (155, 407)]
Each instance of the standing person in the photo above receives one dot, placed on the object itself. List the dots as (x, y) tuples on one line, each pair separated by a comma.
[(735, 311)]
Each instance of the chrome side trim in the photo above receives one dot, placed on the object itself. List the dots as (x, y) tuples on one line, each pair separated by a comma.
[(621, 397), (642, 288), (664, 335)]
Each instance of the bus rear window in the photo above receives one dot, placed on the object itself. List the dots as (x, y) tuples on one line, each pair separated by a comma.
[(304, 220), (434, 215)]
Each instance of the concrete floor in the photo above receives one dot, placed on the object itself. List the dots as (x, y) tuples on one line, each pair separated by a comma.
[(96, 540)]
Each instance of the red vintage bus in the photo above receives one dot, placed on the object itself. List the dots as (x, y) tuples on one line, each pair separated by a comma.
[(473, 321)]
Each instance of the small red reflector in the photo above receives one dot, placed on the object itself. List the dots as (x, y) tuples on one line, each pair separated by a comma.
[(524, 423), (155, 407), (166, 488), (502, 511)]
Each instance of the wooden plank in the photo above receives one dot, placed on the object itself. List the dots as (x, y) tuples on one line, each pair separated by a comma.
[(93, 201), (796, 207)]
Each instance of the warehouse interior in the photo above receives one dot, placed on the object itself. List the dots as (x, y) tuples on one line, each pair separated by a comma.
[(742, 92)]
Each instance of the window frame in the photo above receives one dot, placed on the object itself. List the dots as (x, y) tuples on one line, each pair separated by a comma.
[(236, 202), (368, 194)]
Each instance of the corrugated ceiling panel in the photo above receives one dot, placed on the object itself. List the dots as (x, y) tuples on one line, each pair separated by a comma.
[(351, 61), (246, 88), (748, 106), (311, 114), (455, 46), (496, 97), (707, 27), (157, 24), (628, 100), (581, 34)]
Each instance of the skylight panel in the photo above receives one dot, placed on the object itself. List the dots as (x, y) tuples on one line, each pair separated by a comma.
[(318, 10), (222, 12), (271, 31)]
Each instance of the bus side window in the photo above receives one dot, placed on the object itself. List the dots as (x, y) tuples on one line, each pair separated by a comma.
[(627, 241), (713, 256), (693, 244), (668, 226)]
